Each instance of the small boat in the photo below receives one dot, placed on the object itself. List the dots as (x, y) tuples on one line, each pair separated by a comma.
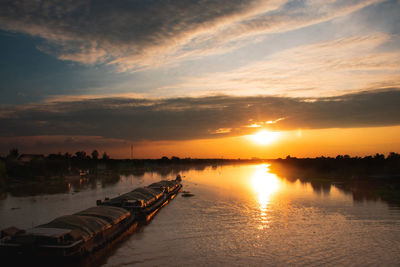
[(83, 173), (84, 232)]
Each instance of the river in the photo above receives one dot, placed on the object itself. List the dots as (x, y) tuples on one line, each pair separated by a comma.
[(240, 215)]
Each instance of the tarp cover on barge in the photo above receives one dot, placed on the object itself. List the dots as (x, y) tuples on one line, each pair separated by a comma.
[(144, 193), (89, 222), (168, 185), (145, 196)]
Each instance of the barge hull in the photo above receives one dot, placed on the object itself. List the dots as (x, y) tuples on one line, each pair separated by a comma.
[(91, 240)]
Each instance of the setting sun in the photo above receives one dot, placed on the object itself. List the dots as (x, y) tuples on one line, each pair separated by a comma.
[(264, 137), (213, 132)]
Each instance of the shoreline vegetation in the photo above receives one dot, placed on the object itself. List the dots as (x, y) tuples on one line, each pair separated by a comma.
[(369, 178), (366, 178)]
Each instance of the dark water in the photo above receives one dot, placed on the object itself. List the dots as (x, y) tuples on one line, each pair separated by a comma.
[(240, 216)]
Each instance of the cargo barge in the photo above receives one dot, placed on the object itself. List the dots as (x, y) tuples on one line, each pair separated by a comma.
[(79, 234), (145, 201)]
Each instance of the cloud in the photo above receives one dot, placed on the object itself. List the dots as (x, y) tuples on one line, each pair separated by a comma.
[(143, 34), (289, 16), (62, 143), (92, 32), (323, 69), (197, 118), (45, 143)]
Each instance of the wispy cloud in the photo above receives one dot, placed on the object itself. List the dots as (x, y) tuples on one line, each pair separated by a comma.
[(289, 16), (321, 69), (142, 34), (111, 31), (197, 118)]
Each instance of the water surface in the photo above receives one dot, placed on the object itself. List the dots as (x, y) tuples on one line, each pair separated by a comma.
[(239, 215)]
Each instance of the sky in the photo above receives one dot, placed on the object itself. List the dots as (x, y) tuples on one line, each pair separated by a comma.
[(200, 78)]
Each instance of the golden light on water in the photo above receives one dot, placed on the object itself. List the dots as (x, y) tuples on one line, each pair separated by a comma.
[(264, 184), (264, 137)]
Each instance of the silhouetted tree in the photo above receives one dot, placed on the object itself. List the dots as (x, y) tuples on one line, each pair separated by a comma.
[(13, 154), (95, 154), (393, 156), (379, 156), (105, 156), (80, 155)]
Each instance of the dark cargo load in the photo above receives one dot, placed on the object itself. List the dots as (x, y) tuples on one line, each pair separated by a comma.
[(168, 185), (140, 197), (88, 230), (89, 222), (111, 214)]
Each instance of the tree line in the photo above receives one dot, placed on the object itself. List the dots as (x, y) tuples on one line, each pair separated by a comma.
[(341, 166), (81, 155)]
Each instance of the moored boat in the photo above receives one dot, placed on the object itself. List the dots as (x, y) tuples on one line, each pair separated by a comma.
[(86, 231)]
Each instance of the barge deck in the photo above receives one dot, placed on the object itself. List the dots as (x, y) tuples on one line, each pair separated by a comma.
[(82, 233)]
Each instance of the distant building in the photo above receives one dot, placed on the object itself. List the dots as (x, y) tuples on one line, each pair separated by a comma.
[(29, 157)]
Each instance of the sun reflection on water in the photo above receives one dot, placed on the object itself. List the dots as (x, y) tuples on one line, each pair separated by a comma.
[(265, 184)]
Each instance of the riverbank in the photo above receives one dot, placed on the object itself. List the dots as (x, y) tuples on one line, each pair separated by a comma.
[(379, 176), (369, 178)]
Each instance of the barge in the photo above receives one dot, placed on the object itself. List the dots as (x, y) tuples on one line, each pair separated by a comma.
[(145, 201), (84, 232)]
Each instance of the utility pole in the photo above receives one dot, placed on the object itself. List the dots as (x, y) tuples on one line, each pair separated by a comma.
[(131, 152)]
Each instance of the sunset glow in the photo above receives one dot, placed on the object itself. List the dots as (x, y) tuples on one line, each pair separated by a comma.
[(264, 137), (272, 125), (240, 75)]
